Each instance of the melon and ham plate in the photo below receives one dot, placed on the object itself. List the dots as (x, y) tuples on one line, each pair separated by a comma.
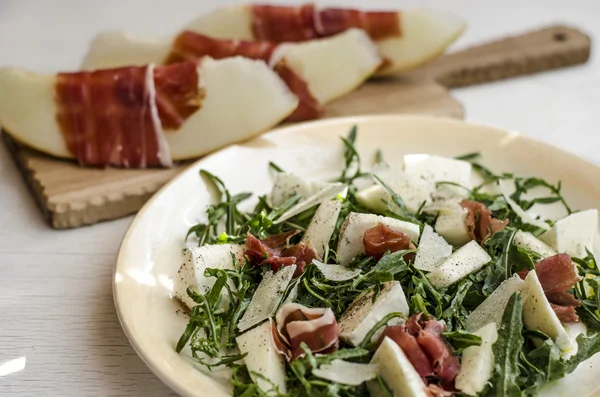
[(405, 39), (317, 71), (143, 116)]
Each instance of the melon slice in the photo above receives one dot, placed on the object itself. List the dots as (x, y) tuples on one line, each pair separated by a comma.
[(356, 224), (574, 234), (331, 66), (262, 100), (265, 364), (399, 375), (425, 34), (538, 315), (451, 225), (477, 363), (530, 242), (464, 261), (196, 260)]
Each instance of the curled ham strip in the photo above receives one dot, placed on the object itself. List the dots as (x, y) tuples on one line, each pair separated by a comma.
[(566, 314), (480, 223), (276, 252), (409, 344), (178, 93), (300, 23), (191, 46), (445, 364), (422, 342), (557, 275), (111, 117), (380, 239), (295, 323), (378, 25), (308, 107), (283, 23)]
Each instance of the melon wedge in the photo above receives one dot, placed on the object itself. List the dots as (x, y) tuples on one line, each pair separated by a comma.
[(195, 261), (331, 66), (261, 100), (425, 34), (266, 365)]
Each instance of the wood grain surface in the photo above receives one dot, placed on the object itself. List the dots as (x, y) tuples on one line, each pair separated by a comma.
[(71, 196)]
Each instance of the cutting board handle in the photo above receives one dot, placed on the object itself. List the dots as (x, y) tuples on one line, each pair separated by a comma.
[(549, 48)]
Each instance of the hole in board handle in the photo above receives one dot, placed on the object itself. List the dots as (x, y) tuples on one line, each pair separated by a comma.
[(560, 36)]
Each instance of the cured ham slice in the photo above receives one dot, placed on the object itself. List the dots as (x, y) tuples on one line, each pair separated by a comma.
[(282, 24), (405, 39), (289, 23), (380, 239), (308, 106), (262, 100), (277, 252), (297, 324), (422, 341), (179, 93), (378, 25), (557, 274), (479, 221), (110, 117), (409, 344), (190, 46)]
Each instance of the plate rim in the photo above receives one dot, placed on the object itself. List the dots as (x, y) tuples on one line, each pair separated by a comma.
[(146, 358)]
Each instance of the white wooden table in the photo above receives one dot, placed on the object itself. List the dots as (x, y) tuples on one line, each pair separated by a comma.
[(59, 334)]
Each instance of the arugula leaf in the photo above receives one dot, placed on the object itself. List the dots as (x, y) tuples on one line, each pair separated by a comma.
[(547, 358), (404, 214), (507, 348), (460, 339), (275, 167)]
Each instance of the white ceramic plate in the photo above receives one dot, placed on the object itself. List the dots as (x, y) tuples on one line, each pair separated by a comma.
[(150, 254)]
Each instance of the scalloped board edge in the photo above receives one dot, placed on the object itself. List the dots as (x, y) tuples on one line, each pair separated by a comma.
[(70, 196)]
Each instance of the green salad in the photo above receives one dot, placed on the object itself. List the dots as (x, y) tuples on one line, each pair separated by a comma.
[(434, 278)]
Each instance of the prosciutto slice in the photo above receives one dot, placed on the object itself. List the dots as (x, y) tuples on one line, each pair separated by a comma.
[(479, 222), (111, 117), (422, 341), (378, 25), (557, 275), (409, 344), (191, 46), (276, 252), (380, 239), (179, 93), (283, 23), (316, 327), (299, 23)]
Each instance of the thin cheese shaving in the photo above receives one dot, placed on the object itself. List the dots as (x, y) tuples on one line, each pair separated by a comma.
[(347, 373), (266, 299)]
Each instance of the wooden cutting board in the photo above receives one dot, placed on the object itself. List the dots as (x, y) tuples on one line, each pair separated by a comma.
[(70, 196)]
